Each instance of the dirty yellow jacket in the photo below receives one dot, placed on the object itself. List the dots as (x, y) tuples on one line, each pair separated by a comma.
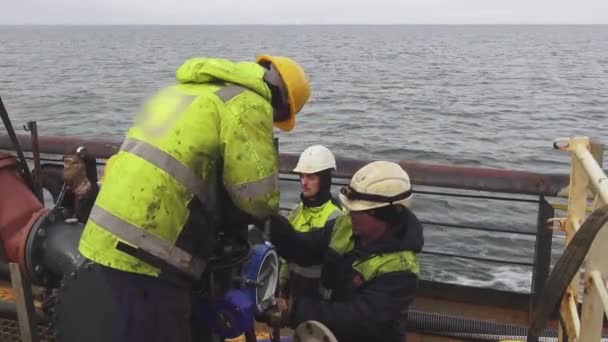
[(207, 135)]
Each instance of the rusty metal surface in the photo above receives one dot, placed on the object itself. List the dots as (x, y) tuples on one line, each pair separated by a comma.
[(471, 178), (7, 160), (16, 217)]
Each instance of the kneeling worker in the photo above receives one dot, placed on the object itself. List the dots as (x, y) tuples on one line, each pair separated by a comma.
[(370, 269), (315, 167)]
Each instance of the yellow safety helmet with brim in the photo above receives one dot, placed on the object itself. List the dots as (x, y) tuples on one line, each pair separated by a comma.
[(297, 84), (375, 185)]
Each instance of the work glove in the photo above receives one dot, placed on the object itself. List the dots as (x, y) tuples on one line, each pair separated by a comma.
[(279, 225), (284, 307)]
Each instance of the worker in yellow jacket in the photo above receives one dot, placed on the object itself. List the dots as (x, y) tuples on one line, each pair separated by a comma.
[(317, 206), (200, 151)]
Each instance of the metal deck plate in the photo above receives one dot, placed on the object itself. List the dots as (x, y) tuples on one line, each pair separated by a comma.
[(9, 331)]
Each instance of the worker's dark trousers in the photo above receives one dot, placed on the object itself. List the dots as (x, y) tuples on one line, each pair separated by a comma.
[(153, 309)]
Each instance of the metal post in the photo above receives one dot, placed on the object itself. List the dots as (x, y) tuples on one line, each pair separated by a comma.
[(275, 323), (597, 178), (542, 251), (595, 297), (33, 129), (597, 151), (25, 304), (13, 137), (275, 315)]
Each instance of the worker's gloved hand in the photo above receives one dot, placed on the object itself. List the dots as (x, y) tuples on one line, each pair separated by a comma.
[(279, 225), (283, 305), (237, 217), (83, 190)]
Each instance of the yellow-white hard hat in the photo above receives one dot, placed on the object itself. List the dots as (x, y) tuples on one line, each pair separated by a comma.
[(377, 184), (315, 159)]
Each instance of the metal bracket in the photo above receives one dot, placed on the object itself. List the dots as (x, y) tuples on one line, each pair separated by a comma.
[(32, 127), (561, 221), (313, 331)]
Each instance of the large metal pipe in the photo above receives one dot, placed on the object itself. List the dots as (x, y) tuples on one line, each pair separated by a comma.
[(44, 247), (52, 250), (458, 177), (20, 209)]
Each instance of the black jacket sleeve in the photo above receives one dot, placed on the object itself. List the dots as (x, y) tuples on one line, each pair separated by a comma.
[(304, 249), (376, 307)]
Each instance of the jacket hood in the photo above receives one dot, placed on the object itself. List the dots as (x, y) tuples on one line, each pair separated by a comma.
[(207, 70)]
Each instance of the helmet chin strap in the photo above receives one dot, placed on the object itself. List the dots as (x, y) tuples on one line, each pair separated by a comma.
[(273, 77), (278, 97)]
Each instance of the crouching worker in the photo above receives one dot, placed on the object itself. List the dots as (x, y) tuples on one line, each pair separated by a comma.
[(370, 270), (315, 168), (199, 156)]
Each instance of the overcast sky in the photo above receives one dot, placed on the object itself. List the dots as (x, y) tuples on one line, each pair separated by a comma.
[(304, 12)]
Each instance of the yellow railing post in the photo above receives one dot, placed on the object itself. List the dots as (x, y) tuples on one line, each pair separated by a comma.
[(586, 174)]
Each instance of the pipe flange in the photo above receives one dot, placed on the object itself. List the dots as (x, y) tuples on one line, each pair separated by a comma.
[(34, 250), (33, 254), (313, 331)]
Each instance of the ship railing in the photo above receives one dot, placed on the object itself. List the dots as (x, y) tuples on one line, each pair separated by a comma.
[(538, 192), (587, 180)]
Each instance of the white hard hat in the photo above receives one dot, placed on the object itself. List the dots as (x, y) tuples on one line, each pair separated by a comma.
[(377, 184), (315, 159)]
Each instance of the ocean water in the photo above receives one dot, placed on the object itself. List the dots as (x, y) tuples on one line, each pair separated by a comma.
[(487, 96)]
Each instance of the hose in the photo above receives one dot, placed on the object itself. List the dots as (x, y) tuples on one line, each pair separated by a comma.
[(454, 326), (489, 337), (441, 324)]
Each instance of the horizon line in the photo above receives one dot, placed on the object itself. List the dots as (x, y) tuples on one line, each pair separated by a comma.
[(311, 24)]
